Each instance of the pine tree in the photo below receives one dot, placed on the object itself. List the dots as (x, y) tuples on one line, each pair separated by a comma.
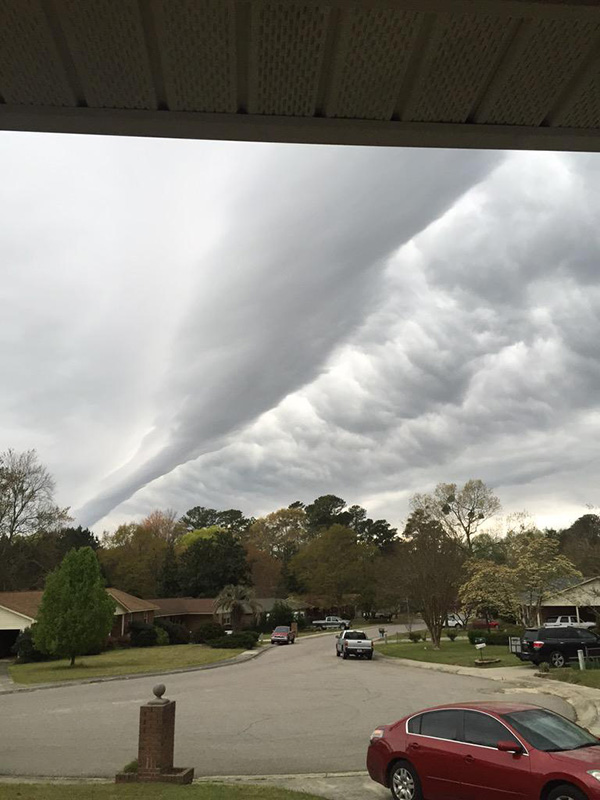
[(76, 613)]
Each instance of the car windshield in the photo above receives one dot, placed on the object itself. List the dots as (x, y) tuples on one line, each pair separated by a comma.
[(550, 732), (355, 635), (282, 629)]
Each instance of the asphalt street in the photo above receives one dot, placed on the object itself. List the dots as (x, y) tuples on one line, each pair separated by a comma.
[(295, 709)]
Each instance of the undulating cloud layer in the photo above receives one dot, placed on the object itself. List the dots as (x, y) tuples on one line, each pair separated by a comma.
[(227, 324)]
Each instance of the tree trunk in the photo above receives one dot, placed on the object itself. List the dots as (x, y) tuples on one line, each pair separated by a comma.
[(72, 664)]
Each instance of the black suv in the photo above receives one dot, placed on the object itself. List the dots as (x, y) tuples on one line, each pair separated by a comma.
[(558, 646)]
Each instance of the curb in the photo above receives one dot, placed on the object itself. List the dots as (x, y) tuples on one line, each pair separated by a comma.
[(248, 655), (584, 700), (8, 779)]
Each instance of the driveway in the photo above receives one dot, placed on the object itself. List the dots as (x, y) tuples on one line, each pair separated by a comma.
[(296, 709)]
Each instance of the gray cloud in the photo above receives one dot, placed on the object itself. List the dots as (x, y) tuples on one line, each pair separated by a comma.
[(245, 325), (478, 358), (296, 270)]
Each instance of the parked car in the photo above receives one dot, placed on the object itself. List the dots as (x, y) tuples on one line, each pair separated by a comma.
[(454, 621), (331, 623), (567, 621), (283, 634), (354, 643), (486, 751), (557, 646), (482, 624)]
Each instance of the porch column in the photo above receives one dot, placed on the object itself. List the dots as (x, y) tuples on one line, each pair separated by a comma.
[(122, 624), (577, 614)]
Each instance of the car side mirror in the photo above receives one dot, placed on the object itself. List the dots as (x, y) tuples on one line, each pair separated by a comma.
[(510, 747), (338, 636)]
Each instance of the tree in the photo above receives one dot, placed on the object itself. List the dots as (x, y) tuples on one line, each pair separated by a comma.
[(230, 519), (236, 600), (76, 538), (488, 547), (334, 565), (265, 572), (168, 578), (580, 543), (391, 589), (26, 496), (534, 570), (133, 559), (280, 534), (163, 524), (461, 512), (434, 562), (198, 533), (539, 570), (281, 614), (378, 532), (490, 589), (76, 613), (326, 511), (209, 564)]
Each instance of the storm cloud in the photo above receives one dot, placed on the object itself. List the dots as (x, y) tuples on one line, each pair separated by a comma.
[(233, 324)]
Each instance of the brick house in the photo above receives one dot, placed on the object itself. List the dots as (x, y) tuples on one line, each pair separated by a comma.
[(191, 612), (18, 610)]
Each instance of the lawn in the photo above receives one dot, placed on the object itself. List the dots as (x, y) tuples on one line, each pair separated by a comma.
[(586, 677), (129, 661), (146, 791), (459, 653)]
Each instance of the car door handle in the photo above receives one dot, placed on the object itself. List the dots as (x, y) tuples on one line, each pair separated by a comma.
[(415, 746), (469, 759)]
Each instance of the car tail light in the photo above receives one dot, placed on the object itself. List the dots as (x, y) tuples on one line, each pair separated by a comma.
[(537, 645)]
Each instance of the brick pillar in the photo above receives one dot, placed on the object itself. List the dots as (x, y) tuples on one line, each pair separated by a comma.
[(157, 739)]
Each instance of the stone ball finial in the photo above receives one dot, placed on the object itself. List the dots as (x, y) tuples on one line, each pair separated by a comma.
[(158, 691)]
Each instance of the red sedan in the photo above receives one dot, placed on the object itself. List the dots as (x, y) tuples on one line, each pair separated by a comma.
[(486, 751)]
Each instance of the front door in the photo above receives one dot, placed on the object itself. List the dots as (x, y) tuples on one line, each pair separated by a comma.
[(487, 772)]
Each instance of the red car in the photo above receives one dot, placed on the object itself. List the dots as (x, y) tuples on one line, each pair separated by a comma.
[(486, 751), (283, 634)]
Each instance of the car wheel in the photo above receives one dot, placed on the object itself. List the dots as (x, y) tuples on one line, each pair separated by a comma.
[(345, 655), (370, 656), (557, 659), (566, 792), (405, 783), (337, 652)]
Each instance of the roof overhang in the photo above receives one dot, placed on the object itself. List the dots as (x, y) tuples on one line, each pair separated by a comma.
[(506, 74)]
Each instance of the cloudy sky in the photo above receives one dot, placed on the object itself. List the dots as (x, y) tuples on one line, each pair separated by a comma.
[(223, 324)]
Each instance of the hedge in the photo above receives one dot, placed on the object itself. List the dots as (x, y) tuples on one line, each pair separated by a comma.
[(495, 637)]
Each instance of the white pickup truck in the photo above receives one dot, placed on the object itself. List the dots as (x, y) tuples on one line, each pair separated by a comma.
[(353, 643), (331, 622)]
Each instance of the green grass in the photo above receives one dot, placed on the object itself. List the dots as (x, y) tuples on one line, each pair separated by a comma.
[(586, 677), (146, 791), (129, 661), (459, 653)]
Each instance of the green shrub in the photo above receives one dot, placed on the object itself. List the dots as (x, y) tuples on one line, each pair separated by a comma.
[(452, 635), (142, 634), (244, 640), (414, 636), (25, 650), (162, 637), (206, 632), (131, 767), (544, 667), (177, 634)]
